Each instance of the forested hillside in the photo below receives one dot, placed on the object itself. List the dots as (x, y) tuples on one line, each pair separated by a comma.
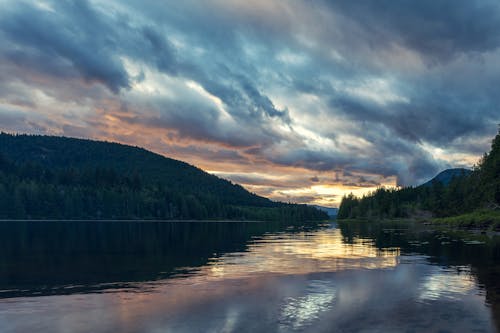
[(57, 177), (465, 193)]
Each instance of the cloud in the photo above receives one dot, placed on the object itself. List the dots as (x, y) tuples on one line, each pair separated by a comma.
[(439, 30), (314, 179), (73, 33), (365, 91)]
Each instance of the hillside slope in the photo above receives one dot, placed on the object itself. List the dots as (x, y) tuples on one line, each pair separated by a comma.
[(446, 176), (58, 177)]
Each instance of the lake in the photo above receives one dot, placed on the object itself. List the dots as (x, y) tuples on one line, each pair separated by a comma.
[(246, 277)]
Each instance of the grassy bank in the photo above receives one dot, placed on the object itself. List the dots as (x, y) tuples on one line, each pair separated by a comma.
[(480, 219)]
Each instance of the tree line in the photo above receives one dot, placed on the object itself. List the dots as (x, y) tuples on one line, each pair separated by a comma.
[(463, 194), (62, 178)]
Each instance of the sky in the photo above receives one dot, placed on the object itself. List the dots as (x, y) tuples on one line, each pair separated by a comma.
[(298, 101)]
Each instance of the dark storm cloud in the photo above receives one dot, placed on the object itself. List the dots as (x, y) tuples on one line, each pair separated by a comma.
[(362, 86), (425, 118), (314, 179), (239, 93), (160, 49), (392, 156), (78, 36), (450, 98), (75, 33), (438, 29)]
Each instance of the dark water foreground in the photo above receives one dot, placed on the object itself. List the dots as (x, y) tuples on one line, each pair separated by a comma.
[(245, 277)]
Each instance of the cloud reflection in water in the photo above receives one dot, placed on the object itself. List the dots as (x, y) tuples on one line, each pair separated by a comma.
[(300, 253), (297, 312)]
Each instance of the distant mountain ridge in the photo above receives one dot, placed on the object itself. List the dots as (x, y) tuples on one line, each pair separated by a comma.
[(446, 176), (60, 177), (329, 210)]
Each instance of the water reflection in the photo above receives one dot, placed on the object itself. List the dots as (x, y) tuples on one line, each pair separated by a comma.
[(447, 284), (299, 312), (249, 278), (320, 250), (39, 258)]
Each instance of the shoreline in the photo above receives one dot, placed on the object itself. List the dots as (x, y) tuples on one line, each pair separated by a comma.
[(131, 220), (482, 220), (158, 221)]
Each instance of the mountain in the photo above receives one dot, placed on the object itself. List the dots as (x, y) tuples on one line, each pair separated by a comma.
[(330, 211), (446, 176), (60, 177)]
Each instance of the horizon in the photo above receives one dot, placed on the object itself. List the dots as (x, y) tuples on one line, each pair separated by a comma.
[(296, 101)]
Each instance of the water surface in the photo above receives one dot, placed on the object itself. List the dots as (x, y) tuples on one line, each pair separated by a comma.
[(245, 277)]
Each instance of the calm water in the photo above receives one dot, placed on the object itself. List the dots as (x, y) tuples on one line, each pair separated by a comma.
[(245, 277)]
